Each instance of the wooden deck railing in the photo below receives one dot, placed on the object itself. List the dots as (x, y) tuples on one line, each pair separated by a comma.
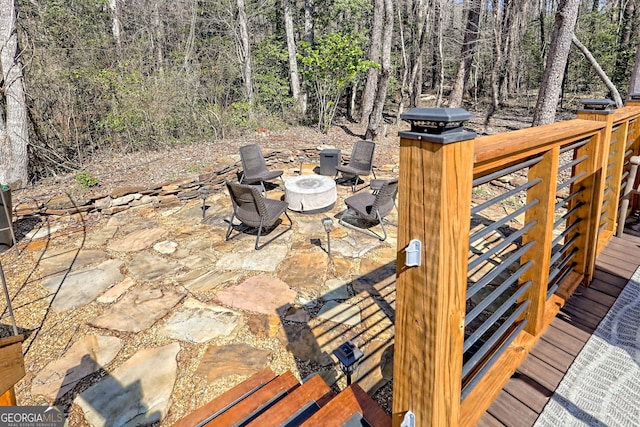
[(488, 285)]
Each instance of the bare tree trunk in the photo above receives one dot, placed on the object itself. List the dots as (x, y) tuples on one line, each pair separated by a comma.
[(405, 68), (418, 49), (634, 85), (376, 119), (541, 18), (627, 28), (514, 55), (188, 51), (549, 93), (603, 76), (309, 37), (498, 36), (308, 21), (14, 135), (438, 7), (244, 51), (414, 34), (159, 36), (116, 26), (294, 76), (504, 28), (369, 94), (468, 49)]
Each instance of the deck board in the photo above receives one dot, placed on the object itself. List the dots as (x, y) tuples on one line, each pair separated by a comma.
[(489, 421), (553, 355), (512, 412), (526, 393), (568, 338)]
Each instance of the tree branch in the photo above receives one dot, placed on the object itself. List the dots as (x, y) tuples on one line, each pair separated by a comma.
[(603, 76)]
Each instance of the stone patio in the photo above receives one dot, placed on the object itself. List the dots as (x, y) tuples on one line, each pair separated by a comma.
[(143, 316)]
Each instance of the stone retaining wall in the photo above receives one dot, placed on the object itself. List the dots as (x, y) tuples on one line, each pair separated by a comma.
[(163, 194)]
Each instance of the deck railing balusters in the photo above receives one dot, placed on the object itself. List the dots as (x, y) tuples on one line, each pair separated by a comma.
[(548, 252)]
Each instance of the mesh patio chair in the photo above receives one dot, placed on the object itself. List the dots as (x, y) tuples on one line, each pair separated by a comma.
[(360, 162), (372, 208), (255, 211), (254, 168)]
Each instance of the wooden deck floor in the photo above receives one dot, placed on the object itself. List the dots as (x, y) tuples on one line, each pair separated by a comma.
[(529, 389)]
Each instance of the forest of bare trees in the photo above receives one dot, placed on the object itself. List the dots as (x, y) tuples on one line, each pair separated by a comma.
[(144, 74)]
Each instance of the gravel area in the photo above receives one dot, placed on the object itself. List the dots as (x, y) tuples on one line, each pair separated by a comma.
[(114, 170)]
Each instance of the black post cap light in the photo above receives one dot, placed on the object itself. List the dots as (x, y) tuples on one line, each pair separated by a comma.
[(597, 105), (441, 125)]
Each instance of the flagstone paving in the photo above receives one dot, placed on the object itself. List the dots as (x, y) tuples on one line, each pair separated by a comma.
[(138, 309), (154, 313), (82, 359), (82, 287), (198, 322), (136, 393)]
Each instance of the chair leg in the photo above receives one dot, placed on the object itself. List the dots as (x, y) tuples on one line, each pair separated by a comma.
[(381, 221), (367, 232), (628, 190), (230, 228), (622, 216), (354, 188), (258, 247), (259, 231), (342, 216)]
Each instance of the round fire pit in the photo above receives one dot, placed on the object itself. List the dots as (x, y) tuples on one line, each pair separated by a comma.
[(309, 193)]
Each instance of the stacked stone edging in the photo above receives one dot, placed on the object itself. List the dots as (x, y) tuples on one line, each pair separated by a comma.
[(165, 194)]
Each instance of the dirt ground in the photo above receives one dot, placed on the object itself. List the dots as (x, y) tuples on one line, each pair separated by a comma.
[(113, 169)]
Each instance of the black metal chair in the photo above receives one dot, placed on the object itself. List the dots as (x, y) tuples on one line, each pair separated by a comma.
[(255, 211), (373, 208), (254, 168), (360, 162)]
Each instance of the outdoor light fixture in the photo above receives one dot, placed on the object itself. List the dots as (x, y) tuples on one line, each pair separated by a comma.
[(204, 192), (327, 223), (413, 252), (348, 355), (301, 158), (598, 104), (437, 120), (441, 125)]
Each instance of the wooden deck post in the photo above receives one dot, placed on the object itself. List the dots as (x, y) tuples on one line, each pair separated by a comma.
[(434, 202), (610, 152), (596, 232), (542, 233), (11, 368)]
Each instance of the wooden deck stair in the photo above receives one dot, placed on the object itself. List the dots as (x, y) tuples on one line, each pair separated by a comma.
[(269, 400)]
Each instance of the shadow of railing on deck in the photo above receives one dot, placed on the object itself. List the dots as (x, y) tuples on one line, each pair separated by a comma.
[(370, 328)]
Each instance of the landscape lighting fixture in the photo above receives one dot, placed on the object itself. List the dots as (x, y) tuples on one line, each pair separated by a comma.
[(327, 223), (204, 192), (348, 355)]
